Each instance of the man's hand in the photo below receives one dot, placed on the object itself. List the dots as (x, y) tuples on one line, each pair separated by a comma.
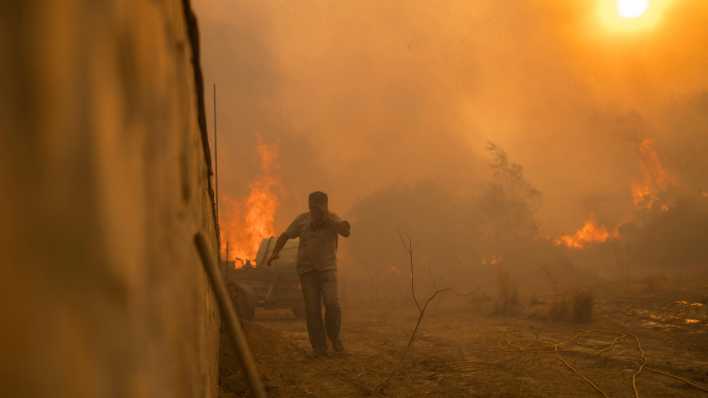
[(272, 258), (279, 244), (342, 227)]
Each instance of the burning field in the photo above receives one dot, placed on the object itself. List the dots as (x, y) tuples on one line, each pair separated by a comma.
[(544, 161), (599, 311)]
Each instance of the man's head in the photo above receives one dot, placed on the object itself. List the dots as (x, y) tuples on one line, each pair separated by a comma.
[(318, 206)]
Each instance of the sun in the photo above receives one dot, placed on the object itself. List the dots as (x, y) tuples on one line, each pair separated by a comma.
[(631, 17), (632, 8)]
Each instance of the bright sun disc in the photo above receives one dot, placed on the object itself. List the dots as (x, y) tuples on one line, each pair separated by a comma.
[(632, 8)]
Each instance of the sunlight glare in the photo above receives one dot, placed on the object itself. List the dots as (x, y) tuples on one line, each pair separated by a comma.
[(632, 8)]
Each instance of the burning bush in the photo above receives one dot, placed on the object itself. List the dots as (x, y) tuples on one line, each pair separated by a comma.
[(453, 232)]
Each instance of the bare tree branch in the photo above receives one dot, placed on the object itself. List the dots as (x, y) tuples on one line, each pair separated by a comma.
[(421, 314), (407, 243)]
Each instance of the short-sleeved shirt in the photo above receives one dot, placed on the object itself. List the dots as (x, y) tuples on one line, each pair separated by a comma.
[(317, 250)]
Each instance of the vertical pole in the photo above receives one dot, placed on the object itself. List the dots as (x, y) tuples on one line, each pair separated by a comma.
[(228, 251), (216, 169), (216, 154)]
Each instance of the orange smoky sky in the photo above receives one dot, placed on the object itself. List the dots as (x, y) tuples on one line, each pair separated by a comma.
[(361, 95)]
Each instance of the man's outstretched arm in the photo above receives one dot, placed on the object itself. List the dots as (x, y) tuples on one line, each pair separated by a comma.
[(279, 244), (292, 232)]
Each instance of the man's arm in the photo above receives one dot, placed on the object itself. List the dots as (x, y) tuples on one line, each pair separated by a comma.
[(279, 244), (342, 227), (292, 232)]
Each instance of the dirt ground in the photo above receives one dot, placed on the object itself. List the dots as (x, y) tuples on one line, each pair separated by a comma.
[(463, 351)]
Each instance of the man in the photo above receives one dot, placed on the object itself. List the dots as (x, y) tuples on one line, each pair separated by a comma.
[(318, 231)]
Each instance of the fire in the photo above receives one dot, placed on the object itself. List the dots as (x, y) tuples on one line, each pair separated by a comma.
[(589, 233), (656, 180), (647, 194), (245, 222)]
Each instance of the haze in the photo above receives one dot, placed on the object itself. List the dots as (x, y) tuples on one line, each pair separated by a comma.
[(359, 96)]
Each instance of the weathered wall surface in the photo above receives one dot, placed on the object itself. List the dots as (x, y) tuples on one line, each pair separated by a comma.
[(104, 181)]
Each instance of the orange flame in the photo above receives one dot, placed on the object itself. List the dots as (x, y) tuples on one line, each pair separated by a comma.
[(246, 222), (589, 233), (646, 194), (656, 179)]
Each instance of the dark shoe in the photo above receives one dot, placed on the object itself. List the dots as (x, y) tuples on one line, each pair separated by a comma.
[(338, 346)]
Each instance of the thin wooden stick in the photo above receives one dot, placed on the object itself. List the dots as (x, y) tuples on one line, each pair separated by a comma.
[(641, 366), (421, 314), (216, 156), (421, 309), (420, 317), (612, 345), (572, 369), (688, 382), (229, 317), (408, 246)]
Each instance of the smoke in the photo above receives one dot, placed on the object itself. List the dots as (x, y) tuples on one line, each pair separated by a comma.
[(370, 101)]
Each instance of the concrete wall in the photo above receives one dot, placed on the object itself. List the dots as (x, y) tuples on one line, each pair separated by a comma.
[(104, 181)]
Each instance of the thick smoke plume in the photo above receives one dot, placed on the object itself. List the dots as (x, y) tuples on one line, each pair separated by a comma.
[(389, 106)]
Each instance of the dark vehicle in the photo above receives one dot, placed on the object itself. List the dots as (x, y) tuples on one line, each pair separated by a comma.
[(277, 286)]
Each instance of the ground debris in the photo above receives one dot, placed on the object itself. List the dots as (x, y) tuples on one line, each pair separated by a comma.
[(466, 354)]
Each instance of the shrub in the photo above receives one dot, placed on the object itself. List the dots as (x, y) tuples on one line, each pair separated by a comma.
[(583, 303)]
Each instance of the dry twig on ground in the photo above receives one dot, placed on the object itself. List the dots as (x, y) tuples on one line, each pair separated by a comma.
[(613, 344), (681, 379), (574, 370), (407, 243), (642, 364)]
